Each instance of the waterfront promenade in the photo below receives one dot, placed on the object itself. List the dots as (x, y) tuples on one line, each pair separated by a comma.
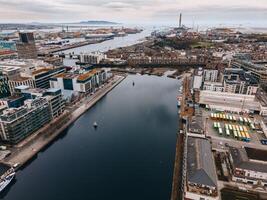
[(30, 147)]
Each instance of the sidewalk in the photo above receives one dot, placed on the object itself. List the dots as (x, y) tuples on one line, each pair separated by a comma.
[(29, 147)]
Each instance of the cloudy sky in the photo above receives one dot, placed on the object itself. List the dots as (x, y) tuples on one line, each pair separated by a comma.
[(135, 11)]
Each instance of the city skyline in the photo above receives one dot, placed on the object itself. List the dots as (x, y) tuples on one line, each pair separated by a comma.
[(135, 11)]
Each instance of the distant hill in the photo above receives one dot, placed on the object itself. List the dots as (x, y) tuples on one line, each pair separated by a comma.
[(94, 22)]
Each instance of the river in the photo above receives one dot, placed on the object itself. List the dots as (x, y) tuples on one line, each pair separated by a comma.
[(129, 156), (117, 42)]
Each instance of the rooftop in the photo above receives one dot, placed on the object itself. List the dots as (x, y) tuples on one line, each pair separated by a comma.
[(247, 159), (40, 71), (256, 154), (53, 90), (22, 87), (20, 78), (200, 164), (86, 75)]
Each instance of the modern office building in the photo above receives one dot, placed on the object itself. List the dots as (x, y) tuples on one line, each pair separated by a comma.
[(240, 82), (18, 123), (53, 96), (4, 88), (200, 170), (84, 82), (35, 78), (14, 101), (18, 80), (258, 70), (26, 47), (42, 76)]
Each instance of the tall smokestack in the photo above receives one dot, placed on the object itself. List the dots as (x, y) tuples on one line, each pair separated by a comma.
[(180, 20)]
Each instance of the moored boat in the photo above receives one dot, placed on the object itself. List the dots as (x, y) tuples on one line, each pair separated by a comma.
[(7, 175)]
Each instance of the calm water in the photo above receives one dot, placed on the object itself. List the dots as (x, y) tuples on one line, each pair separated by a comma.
[(129, 156), (108, 45)]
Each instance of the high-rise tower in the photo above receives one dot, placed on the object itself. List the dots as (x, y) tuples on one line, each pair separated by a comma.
[(26, 46), (180, 20)]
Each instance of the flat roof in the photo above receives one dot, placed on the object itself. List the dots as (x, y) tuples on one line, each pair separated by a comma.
[(256, 154), (22, 87), (87, 75), (20, 78), (40, 71), (53, 89)]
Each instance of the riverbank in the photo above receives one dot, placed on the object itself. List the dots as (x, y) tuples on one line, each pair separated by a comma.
[(27, 149), (70, 46)]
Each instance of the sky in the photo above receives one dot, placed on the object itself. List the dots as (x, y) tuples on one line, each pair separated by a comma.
[(136, 11)]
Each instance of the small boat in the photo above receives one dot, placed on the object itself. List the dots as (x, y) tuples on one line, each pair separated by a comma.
[(95, 125), (7, 178), (133, 83)]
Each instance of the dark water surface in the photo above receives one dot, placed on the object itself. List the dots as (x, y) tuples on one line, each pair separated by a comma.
[(129, 156)]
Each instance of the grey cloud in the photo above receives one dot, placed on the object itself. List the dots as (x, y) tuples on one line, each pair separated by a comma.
[(215, 10), (120, 3), (31, 6)]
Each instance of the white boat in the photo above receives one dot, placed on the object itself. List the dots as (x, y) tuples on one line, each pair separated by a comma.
[(95, 124), (181, 89), (6, 180), (179, 99)]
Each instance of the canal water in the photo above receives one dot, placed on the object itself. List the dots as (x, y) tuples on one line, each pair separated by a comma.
[(129, 156)]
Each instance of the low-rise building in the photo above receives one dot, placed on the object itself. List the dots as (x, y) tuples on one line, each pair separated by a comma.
[(249, 165), (201, 177), (213, 86), (210, 75), (195, 125), (92, 58)]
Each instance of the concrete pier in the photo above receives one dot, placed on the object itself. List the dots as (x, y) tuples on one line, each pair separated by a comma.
[(30, 147)]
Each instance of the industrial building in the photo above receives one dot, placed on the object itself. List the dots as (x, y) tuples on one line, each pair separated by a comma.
[(201, 177), (249, 165)]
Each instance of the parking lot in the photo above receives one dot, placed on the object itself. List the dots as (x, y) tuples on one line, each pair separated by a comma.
[(229, 126)]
